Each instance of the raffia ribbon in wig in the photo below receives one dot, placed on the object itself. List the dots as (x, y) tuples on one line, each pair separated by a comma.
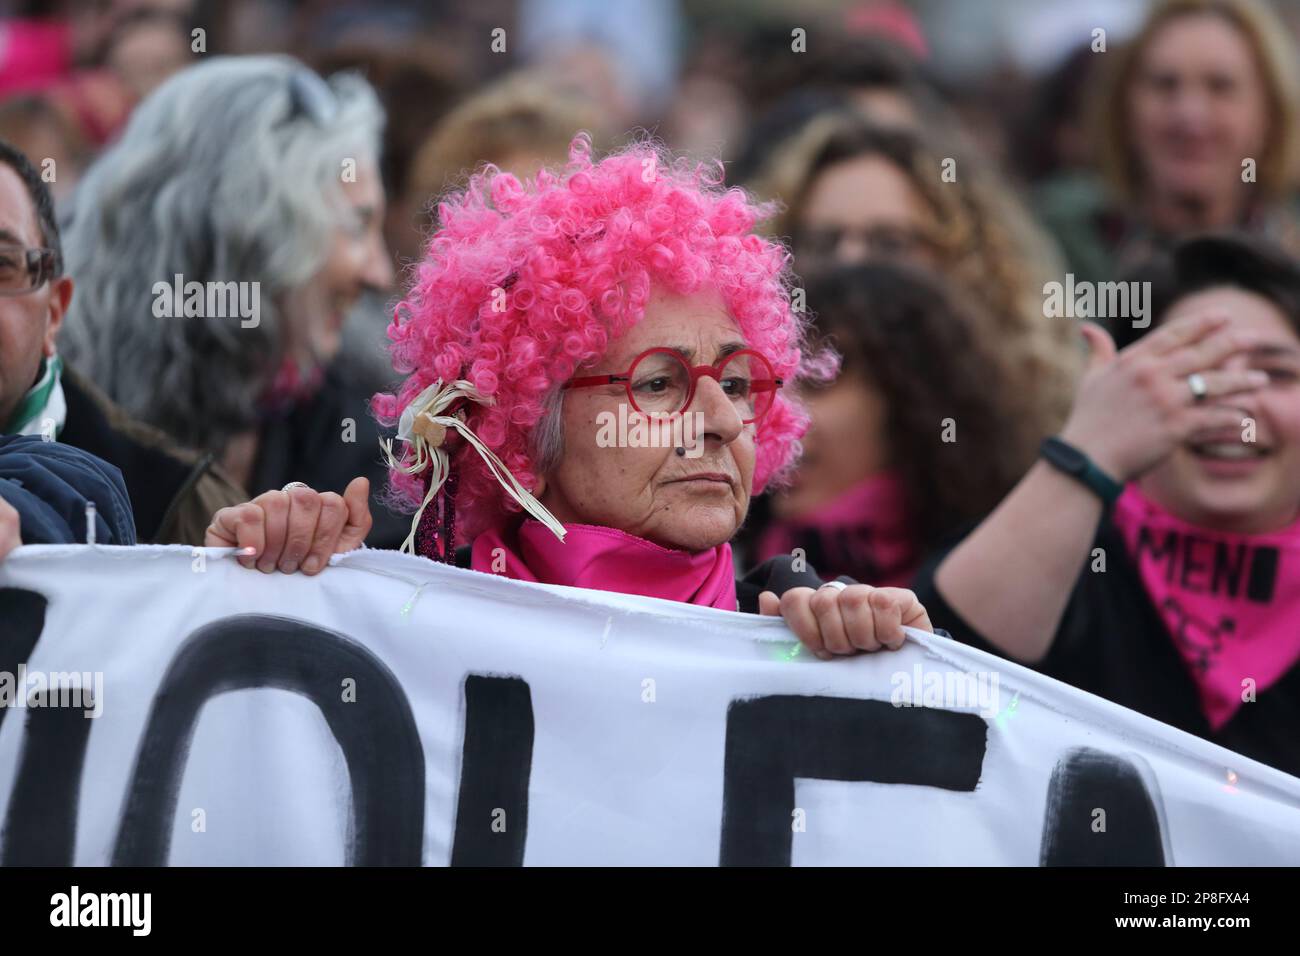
[(424, 424)]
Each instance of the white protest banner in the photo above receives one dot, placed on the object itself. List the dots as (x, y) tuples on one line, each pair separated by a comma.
[(394, 711)]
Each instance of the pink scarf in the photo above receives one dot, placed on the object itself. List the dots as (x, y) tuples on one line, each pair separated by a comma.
[(605, 559), (1230, 601), (864, 533)]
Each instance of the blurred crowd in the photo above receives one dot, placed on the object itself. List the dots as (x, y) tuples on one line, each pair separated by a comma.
[(933, 166)]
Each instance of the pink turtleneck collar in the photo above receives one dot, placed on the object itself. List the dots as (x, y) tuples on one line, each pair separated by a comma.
[(606, 559)]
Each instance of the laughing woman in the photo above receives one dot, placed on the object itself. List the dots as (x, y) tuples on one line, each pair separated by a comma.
[(544, 310), (1153, 557)]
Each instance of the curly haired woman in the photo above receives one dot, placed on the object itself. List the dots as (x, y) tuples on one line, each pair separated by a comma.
[(632, 287), (857, 192)]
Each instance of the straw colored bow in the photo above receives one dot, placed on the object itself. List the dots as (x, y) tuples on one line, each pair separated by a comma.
[(424, 425)]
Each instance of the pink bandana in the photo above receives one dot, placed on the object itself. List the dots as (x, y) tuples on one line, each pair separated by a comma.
[(864, 533), (1230, 601), (605, 559)]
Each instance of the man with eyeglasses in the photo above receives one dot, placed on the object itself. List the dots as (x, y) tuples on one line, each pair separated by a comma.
[(46, 489), (171, 492)]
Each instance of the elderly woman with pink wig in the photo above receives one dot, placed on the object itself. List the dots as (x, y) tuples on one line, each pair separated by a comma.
[(598, 367)]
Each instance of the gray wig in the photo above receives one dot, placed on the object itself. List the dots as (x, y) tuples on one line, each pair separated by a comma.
[(221, 175)]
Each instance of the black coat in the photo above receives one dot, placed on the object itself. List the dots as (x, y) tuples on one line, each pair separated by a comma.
[(327, 441)]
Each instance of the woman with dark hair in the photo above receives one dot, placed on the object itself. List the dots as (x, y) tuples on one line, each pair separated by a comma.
[(908, 443), (1153, 556)]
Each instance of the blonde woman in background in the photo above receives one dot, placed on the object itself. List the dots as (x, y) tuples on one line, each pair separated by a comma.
[(520, 124), (1195, 121)]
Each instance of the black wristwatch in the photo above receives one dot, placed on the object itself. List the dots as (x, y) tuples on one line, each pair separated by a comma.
[(1066, 458)]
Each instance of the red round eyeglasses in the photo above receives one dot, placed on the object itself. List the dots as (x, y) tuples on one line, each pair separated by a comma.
[(661, 382)]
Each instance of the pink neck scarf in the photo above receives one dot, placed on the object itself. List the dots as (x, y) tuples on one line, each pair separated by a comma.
[(605, 559), (864, 533), (1231, 602)]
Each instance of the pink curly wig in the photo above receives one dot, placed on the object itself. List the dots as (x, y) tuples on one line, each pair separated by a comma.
[(572, 257)]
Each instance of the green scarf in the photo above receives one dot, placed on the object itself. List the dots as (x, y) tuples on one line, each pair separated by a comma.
[(43, 401)]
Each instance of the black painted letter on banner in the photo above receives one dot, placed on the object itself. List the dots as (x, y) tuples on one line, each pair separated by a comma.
[(22, 617), (376, 732), (773, 740), (495, 770), (1074, 834), (41, 823)]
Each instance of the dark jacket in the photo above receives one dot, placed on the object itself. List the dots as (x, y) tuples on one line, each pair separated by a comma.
[(174, 492), (777, 574), (49, 484), (327, 441), (1112, 642)]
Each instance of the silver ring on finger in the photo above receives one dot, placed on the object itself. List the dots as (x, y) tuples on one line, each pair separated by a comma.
[(1199, 386), (294, 484), (837, 585)]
